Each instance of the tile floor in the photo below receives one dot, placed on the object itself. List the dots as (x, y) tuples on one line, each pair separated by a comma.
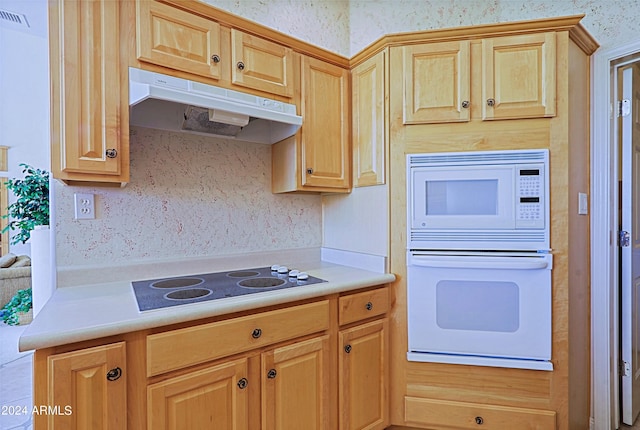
[(15, 381)]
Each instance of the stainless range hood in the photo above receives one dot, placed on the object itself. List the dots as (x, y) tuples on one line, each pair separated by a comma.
[(169, 103)]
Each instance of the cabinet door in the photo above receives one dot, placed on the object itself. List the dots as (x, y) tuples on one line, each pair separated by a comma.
[(362, 361), (437, 82), (369, 121), (325, 131), (295, 391), (177, 39), (89, 388), (260, 64), (87, 142), (211, 398), (519, 76)]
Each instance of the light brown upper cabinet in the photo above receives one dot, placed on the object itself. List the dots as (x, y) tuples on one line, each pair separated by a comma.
[(180, 40), (369, 120), (173, 38), (519, 76), (325, 131), (260, 64), (318, 157), (89, 106), (437, 82), (516, 79)]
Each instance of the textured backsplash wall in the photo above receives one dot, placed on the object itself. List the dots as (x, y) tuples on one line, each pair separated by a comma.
[(189, 196)]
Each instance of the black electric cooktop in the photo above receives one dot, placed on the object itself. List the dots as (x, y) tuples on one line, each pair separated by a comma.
[(165, 292)]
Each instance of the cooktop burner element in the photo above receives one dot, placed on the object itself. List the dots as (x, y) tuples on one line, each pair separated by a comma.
[(165, 292)]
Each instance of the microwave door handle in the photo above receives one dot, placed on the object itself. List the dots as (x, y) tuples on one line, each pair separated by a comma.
[(480, 263)]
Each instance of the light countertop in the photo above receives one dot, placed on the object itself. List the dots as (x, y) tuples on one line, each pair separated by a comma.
[(90, 311)]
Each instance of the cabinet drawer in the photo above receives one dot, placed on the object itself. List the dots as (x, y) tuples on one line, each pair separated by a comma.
[(355, 307), (192, 345), (462, 415)]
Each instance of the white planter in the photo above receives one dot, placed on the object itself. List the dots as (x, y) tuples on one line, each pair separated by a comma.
[(42, 284)]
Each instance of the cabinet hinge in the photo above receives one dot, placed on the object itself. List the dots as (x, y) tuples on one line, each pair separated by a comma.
[(623, 238), (625, 369), (623, 108)]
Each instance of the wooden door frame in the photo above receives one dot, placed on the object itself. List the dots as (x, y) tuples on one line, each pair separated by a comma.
[(604, 249)]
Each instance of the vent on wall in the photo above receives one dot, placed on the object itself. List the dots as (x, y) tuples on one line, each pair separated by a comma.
[(13, 20)]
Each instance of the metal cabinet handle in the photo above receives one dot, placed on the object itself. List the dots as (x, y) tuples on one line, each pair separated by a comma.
[(114, 374), (369, 306), (256, 333), (271, 374), (111, 153), (240, 65), (215, 58), (347, 348), (491, 102), (309, 171), (242, 383), (465, 104), (479, 420)]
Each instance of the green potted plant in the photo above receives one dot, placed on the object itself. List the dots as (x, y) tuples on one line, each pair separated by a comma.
[(17, 311), (31, 207), (30, 210)]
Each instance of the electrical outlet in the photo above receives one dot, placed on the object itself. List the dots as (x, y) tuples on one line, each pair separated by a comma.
[(84, 206)]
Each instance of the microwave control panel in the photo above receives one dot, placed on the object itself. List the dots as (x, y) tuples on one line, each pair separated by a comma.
[(530, 196)]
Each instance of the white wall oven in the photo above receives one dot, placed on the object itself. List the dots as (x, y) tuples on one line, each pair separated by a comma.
[(478, 261)]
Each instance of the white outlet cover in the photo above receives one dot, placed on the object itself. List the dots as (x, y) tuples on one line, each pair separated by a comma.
[(583, 205), (84, 205)]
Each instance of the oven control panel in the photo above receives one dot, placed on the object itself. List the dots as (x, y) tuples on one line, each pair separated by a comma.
[(530, 201)]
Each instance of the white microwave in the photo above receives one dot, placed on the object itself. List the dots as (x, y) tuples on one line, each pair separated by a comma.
[(483, 200)]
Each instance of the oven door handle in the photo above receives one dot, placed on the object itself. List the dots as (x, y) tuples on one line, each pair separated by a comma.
[(470, 262)]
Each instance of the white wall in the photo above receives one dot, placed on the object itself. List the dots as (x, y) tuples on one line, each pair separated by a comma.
[(24, 92)]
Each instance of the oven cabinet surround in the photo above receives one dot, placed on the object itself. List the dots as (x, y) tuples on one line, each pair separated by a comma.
[(89, 102), (430, 75), (318, 157), (283, 366)]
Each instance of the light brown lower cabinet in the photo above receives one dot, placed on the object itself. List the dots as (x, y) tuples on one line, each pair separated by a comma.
[(277, 369), (82, 389), (215, 397), (439, 414), (362, 374), (295, 389)]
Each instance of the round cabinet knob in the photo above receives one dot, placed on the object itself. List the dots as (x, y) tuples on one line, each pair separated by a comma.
[(256, 333), (465, 104), (369, 306), (347, 348), (240, 65), (309, 171), (491, 102), (114, 374), (215, 58), (111, 153), (479, 420), (242, 383), (271, 374)]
